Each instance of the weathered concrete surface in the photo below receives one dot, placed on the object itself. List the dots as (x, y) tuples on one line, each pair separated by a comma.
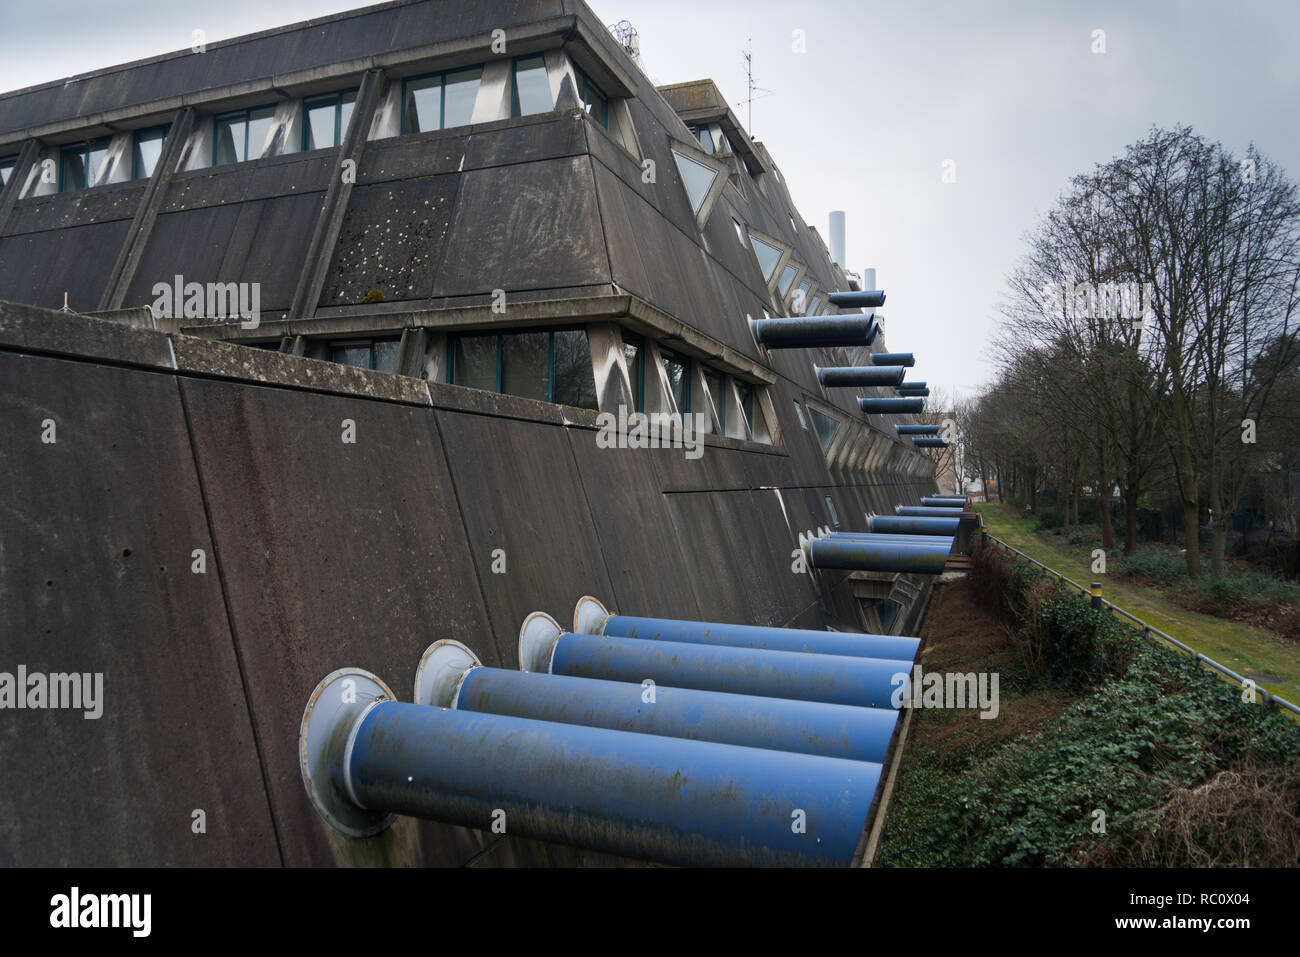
[(96, 548)]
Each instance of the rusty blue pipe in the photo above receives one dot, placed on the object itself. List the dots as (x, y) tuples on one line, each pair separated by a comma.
[(891, 406), (859, 375), (640, 795), (917, 429), (851, 554), (909, 525), (865, 299), (450, 676), (805, 332), (931, 510), (833, 679), (894, 359), (590, 617)]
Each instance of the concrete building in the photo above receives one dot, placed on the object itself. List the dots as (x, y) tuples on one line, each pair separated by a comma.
[(489, 200)]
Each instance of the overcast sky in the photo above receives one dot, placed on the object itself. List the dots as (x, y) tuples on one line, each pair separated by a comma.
[(863, 121)]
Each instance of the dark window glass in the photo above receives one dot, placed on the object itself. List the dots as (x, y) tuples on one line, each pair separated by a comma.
[(825, 425), (716, 384), (351, 354), (635, 358), (146, 152), (475, 362), (531, 91), (593, 100), (73, 174), (573, 382), (386, 354), (679, 380), (706, 139), (525, 361), (768, 256), (7, 165)]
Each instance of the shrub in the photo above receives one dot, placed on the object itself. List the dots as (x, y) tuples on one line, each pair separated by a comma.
[(1158, 564), (1051, 516)]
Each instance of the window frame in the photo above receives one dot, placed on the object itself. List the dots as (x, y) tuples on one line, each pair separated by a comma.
[(450, 362), (10, 163), (705, 373), (515, 106), (84, 149), (247, 114), (370, 342), (165, 129), (337, 97), (442, 97), (668, 355), (638, 400), (584, 80)]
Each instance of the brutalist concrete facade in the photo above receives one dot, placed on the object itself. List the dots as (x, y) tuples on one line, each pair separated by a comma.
[(319, 553)]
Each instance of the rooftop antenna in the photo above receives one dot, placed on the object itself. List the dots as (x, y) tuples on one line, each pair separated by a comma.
[(755, 92), (628, 39)]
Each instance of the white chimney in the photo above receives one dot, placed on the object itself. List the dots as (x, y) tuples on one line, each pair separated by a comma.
[(837, 236)]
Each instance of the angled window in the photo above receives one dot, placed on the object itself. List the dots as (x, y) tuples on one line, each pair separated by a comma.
[(678, 370), (816, 304), (697, 178), (768, 256), (835, 516), (740, 231), (593, 100), (826, 309), (80, 165), (325, 119), (798, 409), (825, 425), (377, 354), (634, 354), (241, 135), (7, 164), (439, 101), (552, 366), (530, 90), (787, 278), (717, 391), (146, 150), (705, 139)]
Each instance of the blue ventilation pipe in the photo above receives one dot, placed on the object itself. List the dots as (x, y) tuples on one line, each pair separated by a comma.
[(931, 510), (914, 384), (907, 525), (942, 501), (366, 757), (859, 375), (852, 554), (929, 442), (866, 299), (914, 393), (450, 676), (906, 540), (891, 406), (590, 617), (833, 679), (805, 332), (917, 429), (894, 359)]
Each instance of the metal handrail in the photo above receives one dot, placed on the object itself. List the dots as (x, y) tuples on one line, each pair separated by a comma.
[(1267, 697)]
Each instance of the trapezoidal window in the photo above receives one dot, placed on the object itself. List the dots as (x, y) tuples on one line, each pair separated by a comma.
[(242, 135), (825, 425), (439, 101), (530, 90), (325, 120), (146, 150)]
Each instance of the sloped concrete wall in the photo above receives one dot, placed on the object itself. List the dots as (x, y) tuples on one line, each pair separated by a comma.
[(322, 554)]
